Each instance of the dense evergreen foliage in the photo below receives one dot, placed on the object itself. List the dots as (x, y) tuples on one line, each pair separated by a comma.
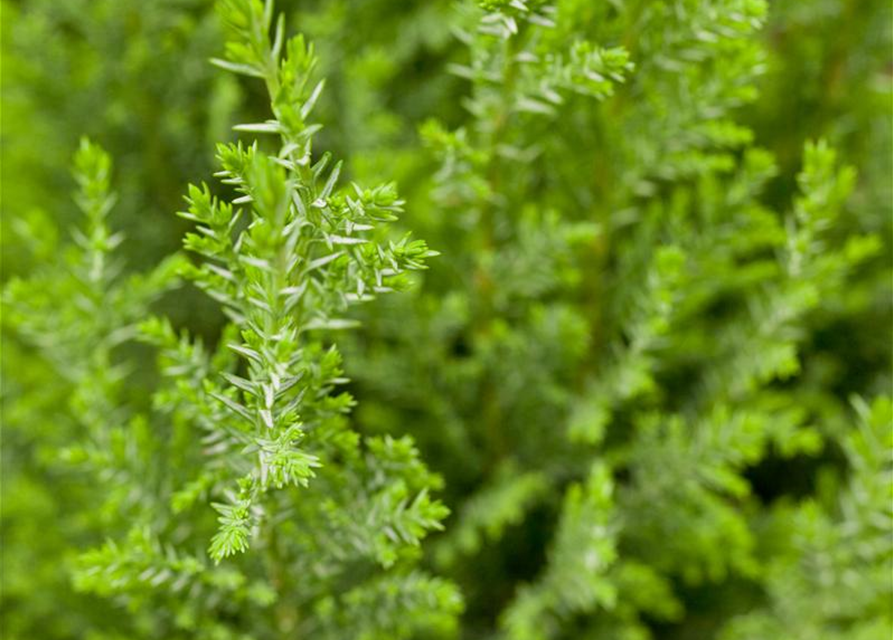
[(640, 390)]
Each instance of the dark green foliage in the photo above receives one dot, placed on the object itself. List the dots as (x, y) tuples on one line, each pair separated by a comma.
[(132, 74), (649, 374), (626, 283)]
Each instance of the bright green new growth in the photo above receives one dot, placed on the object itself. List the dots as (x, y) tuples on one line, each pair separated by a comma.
[(307, 250)]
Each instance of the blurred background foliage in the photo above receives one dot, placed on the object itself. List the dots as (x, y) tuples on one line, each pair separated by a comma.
[(461, 352)]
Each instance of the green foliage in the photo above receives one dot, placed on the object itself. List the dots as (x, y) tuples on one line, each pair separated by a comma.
[(131, 74), (254, 425), (626, 287), (830, 577), (649, 375), (582, 552)]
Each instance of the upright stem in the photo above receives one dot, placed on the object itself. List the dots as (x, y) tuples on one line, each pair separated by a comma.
[(491, 412)]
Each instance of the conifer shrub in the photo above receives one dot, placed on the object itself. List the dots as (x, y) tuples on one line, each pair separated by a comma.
[(638, 386)]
